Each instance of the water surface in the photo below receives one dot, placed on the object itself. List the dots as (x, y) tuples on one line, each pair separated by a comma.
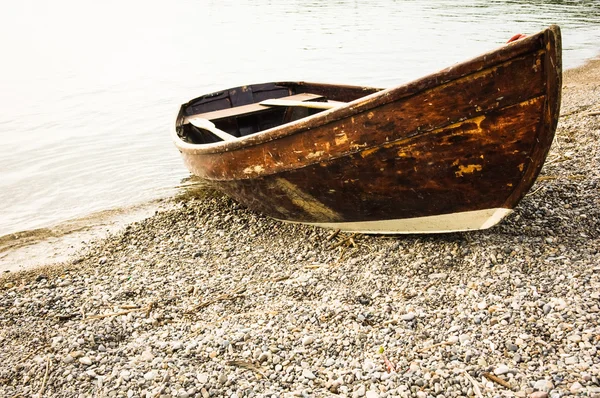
[(89, 89)]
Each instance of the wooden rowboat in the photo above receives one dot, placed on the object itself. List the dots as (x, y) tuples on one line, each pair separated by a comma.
[(452, 151)]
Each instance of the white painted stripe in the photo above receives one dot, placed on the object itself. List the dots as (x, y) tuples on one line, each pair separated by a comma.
[(454, 222)]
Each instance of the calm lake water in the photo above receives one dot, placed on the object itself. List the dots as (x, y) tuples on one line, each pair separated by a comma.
[(89, 89)]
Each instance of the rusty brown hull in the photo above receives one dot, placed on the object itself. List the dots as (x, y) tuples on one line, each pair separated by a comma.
[(467, 140)]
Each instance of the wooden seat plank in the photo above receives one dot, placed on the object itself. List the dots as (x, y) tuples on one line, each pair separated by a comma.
[(249, 109)]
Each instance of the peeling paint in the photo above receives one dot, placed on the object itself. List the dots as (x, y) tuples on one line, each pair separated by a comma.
[(313, 155), (254, 169), (469, 169), (368, 152), (357, 146), (341, 139)]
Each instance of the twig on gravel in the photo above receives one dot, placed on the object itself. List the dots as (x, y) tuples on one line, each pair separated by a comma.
[(312, 266), (32, 353), (333, 235), (147, 308), (277, 279), (150, 307), (594, 114), (476, 388), (434, 346), (534, 192), (247, 365), (578, 110), (130, 307), (388, 364), (343, 254), (497, 380), (347, 240), (45, 379), (83, 309), (225, 296)]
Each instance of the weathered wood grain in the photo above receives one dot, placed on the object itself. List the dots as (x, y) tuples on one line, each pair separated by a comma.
[(471, 137)]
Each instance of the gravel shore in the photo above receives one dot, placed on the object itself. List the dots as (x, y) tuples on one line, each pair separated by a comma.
[(210, 299)]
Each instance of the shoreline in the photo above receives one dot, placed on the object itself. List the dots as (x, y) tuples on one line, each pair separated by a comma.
[(206, 298), (57, 244), (30, 248)]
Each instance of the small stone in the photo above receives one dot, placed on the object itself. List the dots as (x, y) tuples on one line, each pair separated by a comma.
[(547, 308), (125, 375), (68, 359), (91, 374), (368, 366), (517, 358), (408, 317), (372, 394), (147, 356), (575, 338), (151, 375), (308, 340), (85, 361), (543, 385), (575, 387), (102, 260), (263, 357), (360, 391), (329, 362), (501, 369), (512, 347), (222, 378), (538, 394), (177, 345), (202, 378), (571, 360), (308, 374)]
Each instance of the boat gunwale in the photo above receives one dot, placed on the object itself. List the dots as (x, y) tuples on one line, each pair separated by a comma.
[(487, 60)]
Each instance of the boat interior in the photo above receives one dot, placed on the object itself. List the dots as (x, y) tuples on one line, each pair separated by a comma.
[(241, 111)]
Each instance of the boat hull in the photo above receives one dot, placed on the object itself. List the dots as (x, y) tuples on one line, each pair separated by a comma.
[(453, 151)]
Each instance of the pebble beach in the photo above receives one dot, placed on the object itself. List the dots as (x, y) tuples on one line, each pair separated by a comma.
[(208, 299)]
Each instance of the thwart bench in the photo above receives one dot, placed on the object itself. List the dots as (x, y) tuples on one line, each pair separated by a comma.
[(205, 120)]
